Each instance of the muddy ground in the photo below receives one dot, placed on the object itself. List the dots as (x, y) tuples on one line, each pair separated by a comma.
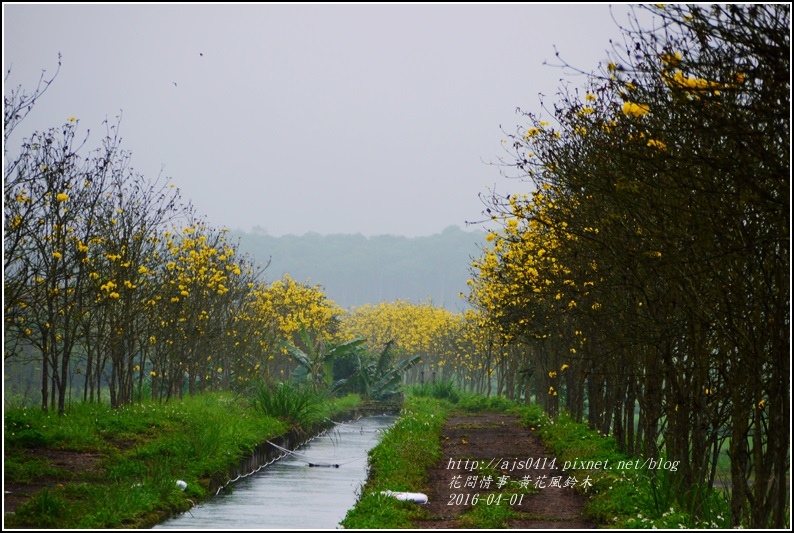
[(499, 444)]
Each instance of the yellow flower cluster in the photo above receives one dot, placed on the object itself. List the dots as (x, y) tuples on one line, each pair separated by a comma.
[(635, 110)]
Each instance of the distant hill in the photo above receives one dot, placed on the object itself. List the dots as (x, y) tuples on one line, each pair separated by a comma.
[(357, 270)]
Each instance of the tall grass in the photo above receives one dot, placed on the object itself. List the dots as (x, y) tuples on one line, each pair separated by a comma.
[(440, 389), (298, 406), (447, 390)]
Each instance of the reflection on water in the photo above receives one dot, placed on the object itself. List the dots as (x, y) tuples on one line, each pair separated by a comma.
[(290, 494)]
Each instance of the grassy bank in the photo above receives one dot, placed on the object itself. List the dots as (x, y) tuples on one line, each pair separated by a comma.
[(399, 463), (628, 493), (97, 467)]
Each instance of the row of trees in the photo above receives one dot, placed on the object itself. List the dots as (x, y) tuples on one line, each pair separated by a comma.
[(111, 280), (649, 270), (113, 285), (466, 348)]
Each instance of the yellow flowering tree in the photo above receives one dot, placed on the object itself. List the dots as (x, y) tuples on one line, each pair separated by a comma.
[(50, 196), (414, 329), (667, 220), (277, 314), (202, 285)]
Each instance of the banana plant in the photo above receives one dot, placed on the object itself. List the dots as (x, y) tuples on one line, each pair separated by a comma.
[(380, 380), (316, 364)]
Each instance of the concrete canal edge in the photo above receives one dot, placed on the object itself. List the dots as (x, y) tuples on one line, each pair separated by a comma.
[(265, 453)]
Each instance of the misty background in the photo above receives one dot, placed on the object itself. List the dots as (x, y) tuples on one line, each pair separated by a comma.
[(356, 270), (290, 122)]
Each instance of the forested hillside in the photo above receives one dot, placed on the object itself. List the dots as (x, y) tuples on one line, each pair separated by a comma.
[(357, 270)]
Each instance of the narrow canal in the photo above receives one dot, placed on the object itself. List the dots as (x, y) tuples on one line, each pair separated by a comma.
[(291, 494)]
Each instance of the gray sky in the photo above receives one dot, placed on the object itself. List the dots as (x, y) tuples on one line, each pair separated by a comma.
[(332, 118)]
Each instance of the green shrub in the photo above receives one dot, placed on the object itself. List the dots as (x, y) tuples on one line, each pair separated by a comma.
[(441, 389), (478, 402), (299, 407)]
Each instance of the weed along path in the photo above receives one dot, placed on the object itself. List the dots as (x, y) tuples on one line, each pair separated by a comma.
[(497, 469)]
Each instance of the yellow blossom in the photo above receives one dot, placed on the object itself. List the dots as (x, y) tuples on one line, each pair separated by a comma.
[(672, 59), (636, 110), (62, 197), (57, 255), (564, 367)]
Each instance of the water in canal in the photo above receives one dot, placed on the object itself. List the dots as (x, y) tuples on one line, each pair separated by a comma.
[(290, 494)]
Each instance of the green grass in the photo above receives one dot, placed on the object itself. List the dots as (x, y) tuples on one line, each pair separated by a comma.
[(626, 497), (139, 452), (298, 407), (400, 463), (478, 402), (441, 390)]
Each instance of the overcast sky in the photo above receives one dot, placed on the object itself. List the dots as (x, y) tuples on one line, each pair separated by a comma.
[(373, 119)]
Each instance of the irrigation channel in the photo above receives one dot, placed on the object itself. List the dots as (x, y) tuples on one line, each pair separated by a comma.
[(291, 494)]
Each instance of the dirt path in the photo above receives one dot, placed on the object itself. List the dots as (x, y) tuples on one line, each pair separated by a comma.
[(499, 444)]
